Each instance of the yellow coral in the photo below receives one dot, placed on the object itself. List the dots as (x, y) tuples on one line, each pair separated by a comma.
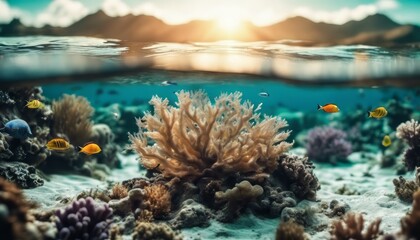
[(71, 116), (157, 199), (198, 135)]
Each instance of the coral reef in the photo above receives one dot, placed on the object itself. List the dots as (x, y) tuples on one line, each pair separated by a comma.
[(83, 219), (404, 189), (198, 135), (72, 117), (351, 227), (118, 191), (191, 214), (157, 200), (153, 231), (327, 144), (237, 198), (410, 133), (30, 150), (13, 211), (410, 223), (290, 231), (103, 135), (21, 174), (297, 173)]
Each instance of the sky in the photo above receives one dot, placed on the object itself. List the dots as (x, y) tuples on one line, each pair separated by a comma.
[(260, 12)]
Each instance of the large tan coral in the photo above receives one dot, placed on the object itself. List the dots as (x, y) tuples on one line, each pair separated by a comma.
[(72, 116), (197, 135)]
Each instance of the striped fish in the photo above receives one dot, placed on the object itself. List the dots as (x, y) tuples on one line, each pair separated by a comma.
[(379, 112), (58, 144), (34, 104)]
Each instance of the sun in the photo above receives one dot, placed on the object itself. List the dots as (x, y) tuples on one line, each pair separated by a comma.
[(229, 23)]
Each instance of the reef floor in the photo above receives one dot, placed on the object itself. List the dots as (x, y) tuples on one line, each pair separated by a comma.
[(361, 184)]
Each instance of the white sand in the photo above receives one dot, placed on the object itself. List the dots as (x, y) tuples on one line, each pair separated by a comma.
[(376, 199)]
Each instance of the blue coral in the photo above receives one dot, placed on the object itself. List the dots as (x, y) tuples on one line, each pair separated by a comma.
[(327, 144), (83, 219)]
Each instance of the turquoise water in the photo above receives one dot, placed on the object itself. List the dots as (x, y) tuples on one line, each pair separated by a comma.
[(288, 81)]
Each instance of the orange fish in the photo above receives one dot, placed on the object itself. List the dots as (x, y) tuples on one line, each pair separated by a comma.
[(58, 144), (90, 148), (329, 108)]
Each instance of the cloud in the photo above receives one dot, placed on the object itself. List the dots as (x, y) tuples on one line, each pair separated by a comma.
[(115, 8), (343, 15), (61, 13), (7, 13)]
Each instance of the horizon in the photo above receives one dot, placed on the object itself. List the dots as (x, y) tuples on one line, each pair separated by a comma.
[(62, 13)]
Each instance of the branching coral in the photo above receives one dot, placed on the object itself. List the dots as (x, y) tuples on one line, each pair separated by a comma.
[(410, 223), (352, 228), (118, 191), (13, 211), (297, 173), (410, 132), (198, 135), (83, 219), (327, 144), (153, 231), (157, 200), (290, 231), (71, 116)]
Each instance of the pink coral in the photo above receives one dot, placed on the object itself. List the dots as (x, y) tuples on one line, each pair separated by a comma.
[(197, 135)]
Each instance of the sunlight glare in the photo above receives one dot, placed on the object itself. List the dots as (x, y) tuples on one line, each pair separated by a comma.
[(229, 20)]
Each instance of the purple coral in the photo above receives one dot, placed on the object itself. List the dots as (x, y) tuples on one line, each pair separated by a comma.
[(327, 144), (83, 219)]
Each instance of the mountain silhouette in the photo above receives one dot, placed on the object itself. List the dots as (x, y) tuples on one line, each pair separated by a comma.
[(376, 29)]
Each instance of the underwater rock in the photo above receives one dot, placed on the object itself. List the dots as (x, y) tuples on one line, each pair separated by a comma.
[(236, 199), (5, 152), (410, 133), (153, 231), (272, 203), (22, 174), (213, 142), (191, 214), (327, 144), (128, 204), (103, 135), (337, 209), (121, 119), (297, 173), (83, 219)]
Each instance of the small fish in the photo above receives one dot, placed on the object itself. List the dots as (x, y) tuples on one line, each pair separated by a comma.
[(58, 144), (329, 108), (34, 104), (90, 148), (99, 91), (168, 83), (112, 92), (116, 115), (386, 141), (263, 94), (379, 112), (18, 128)]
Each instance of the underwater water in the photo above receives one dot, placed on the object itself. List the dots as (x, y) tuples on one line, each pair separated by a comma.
[(118, 79)]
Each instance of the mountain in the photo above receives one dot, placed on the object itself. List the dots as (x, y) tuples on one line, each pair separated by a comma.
[(376, 29)]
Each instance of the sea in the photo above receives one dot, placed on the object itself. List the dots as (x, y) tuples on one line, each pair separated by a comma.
[(286, 78)]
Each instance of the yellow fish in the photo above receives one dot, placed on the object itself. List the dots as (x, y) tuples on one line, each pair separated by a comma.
[(379, 112), (90, 148), (58, 144), (34, 104), (386, 141)]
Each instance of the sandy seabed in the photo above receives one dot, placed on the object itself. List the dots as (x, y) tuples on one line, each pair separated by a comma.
[(375, 198)]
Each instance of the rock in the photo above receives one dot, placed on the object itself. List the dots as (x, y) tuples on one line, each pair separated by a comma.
[(22, 174), (191, 214)]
